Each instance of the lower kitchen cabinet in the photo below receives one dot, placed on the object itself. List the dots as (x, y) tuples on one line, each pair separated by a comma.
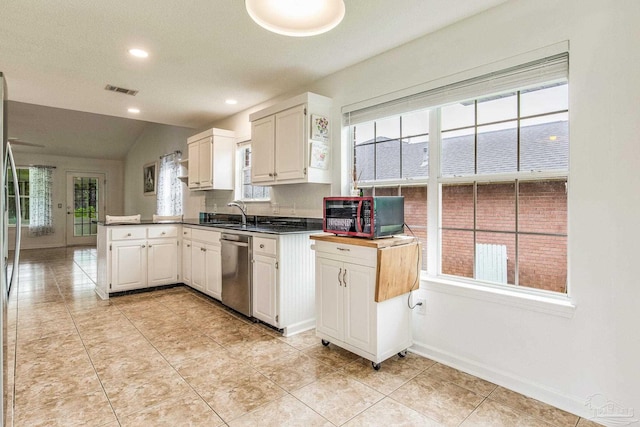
[(264, 289), (346, 308), (136, 256), (283, 292), (201, 262)]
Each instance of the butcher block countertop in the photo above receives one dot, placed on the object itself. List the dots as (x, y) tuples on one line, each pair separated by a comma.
[(398, 265), (359, 241)]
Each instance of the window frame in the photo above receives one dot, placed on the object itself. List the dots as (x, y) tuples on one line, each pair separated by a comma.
[(240, 170), (25, 221), (527, 297)]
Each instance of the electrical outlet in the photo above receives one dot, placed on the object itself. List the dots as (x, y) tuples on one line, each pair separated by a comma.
[(421, 306)]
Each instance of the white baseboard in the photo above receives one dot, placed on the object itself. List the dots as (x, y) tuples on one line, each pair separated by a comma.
[(518, 384)]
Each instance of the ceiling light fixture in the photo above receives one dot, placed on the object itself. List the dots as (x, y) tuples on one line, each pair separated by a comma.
[(231, 101), (139, 53), (296, 18), (134, 110)]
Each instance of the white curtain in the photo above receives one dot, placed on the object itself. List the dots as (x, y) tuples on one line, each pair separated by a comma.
[(40, 186), (169, 186)]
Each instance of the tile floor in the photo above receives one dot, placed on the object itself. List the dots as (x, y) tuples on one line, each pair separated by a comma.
[(174, 357)]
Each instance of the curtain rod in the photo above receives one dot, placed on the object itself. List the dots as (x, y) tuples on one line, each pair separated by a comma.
[(42, 166), (177, 153)]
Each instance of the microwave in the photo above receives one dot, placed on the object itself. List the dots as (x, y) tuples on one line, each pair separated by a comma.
[(370, 217)]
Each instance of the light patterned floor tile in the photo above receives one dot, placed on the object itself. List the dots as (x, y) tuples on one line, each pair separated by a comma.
[(287, 411), (388, 412), (534, 408)]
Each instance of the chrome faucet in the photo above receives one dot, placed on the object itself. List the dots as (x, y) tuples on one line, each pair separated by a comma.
[(243, 209)]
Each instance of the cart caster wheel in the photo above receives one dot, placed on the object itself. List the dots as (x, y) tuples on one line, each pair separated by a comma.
[(375, 366), (325, 343), (403, 353)]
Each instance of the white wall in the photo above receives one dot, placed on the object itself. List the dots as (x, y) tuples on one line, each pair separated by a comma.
[(560, 360), (155, 141), (113, 170)]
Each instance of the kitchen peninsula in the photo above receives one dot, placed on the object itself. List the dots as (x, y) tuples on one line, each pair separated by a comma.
[(148, 254)]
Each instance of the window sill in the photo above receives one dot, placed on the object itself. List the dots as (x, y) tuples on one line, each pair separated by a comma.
[(560, 305)]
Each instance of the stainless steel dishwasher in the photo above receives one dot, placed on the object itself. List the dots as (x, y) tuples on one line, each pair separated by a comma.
[(236, 272)]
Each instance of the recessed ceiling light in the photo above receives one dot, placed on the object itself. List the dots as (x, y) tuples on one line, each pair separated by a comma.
[(139, 53), (553, 138), (231, 101), (134, 110)]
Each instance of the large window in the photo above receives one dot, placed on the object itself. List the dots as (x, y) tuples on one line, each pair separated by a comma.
[(497, 176), (247, 191), (23, 190)]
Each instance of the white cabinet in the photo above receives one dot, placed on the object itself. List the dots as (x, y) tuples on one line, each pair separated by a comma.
[(281, 141), (283, 291), (137, 256), (201, 261), (347, 312), (264, 280), (211, 160)]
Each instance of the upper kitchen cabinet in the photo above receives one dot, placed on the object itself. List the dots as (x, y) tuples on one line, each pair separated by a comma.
[(211, 160), (291, 143)]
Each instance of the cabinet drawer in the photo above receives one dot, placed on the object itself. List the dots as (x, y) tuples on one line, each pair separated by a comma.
[(128, 233), (264, 246), (207, 236), (361, 253), (186, 232), (158, 232)]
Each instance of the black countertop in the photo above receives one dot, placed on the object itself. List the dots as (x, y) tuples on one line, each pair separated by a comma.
[(255, 223)]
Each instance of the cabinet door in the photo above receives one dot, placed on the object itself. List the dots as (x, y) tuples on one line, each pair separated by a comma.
[(290, 144), (359, 284), (264, 289), (329, 297), (213, 271), (198, 272), (205, 163), (162, 262), (194, 162), (186, 262), (262, 150), (129, 265)]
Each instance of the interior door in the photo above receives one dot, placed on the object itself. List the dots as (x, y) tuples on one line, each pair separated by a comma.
[(85, 207)]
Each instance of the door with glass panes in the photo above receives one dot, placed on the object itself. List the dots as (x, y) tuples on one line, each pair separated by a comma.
[(85, 207)]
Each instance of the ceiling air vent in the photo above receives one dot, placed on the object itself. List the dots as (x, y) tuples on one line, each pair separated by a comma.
[(121, 90)]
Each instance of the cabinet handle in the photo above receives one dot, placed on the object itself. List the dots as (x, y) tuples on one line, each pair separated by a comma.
[(344, 277), (339, 281), (163, 233), (270, 174), (261, 245), (149, 245), (184, 232), (275, 174), (344, 249), (188, 246), (128, 234), (143, 246)]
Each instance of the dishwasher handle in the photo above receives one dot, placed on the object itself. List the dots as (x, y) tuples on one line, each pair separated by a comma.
[(231, 242)]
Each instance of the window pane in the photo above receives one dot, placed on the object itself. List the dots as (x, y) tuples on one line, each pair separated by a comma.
[(459, 115), (388, 128), (415, 123), (386, 191), (365, 162), (457, 206), (415, 216), (544, 100), (544, 143), (542, 262), (498, 148), (363, 133), (388, 159), (457, 253), (496, 257), (458, 154), (415, 157), (542, 207), (496, 207), (498, 108)]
